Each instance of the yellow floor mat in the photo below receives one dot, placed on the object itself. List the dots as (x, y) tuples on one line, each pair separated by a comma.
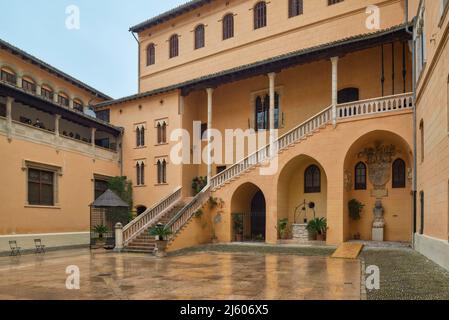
[(348, 250)]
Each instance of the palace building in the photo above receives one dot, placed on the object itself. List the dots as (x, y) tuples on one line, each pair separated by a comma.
[(348, 100)]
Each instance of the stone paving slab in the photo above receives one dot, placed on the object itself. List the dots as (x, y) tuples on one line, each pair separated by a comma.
[(197, 275)]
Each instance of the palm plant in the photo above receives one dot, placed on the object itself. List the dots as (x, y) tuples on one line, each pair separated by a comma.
[(160, 231), (101, 230), (317, 226)]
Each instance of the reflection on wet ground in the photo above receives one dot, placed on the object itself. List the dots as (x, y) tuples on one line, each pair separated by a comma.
[(226, 276)]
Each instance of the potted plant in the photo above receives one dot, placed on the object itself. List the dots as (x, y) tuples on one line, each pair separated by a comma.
[(101, 230), (160, 232), (283, 228), (238, 226), (355, 208), (318, 227)]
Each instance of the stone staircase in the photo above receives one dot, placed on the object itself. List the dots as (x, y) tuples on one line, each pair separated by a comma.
[(144, 242)]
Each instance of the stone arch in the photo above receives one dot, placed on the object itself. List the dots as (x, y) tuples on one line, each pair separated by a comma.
[(373, 148), (249, 202), (291, 194)]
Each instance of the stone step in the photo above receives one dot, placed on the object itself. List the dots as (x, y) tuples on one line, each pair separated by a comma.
[(137, 250)]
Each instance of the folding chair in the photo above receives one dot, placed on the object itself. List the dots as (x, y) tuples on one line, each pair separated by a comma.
[(40, 248), (15, 250)]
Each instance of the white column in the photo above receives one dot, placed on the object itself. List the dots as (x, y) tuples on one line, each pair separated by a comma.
[(55, 96), (334, 61), (92, 137), (71, 103), (181, 104), (9, 101), (57, 119), (209, 137), (39, 89), (271, 77), (118, 237)]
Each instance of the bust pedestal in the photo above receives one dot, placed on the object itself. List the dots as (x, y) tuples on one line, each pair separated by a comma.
[(378, 234)]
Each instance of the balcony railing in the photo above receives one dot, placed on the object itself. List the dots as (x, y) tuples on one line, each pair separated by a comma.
[(375, 106)]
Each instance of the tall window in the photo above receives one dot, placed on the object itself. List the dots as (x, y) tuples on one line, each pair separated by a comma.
[(228, 26), (47, 93), (161, 171), (78, 105), (151, 54), (295, 8), (28, 85), (162, 132), (360, 176), (8, 77), (63, 100), (174, 46), (199, 36), (262, 108), (140, 173), (40, 187), (260, 15), (399, 173), (421, 134), (140, 136), (312, 180)]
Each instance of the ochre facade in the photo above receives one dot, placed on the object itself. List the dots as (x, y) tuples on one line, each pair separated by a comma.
[(340, 83)]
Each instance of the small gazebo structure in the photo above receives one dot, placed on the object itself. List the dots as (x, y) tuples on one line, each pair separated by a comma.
[(108, 210)]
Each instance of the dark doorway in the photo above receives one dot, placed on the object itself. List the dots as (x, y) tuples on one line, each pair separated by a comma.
[(348, 95), (140, 210), (258, 217)]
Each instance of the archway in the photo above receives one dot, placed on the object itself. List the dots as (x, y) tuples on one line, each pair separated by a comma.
[(140, 210), (248, 211), (378, 167), (302, 191)]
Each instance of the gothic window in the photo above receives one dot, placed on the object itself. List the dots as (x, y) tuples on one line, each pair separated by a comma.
[(151, 54), (228, 26), (312, 180), (399, 173), (260, 15), (262, 108), (140, 173), (174, 46), (360, 176), (199, 36), (295, 8)]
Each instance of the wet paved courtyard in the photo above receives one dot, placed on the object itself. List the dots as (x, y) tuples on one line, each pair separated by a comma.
[(199, 275)]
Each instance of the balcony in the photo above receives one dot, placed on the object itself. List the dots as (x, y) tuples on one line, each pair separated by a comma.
[(27, 116)]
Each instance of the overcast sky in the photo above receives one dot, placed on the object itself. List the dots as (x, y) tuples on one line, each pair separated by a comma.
[(102, 53)]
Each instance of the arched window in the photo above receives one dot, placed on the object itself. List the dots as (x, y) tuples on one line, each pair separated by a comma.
[(262, 108), (138, 174), (47, 93), (140, 136), (360, 176), (161, 171), (260, 15), (8, 76), (399, 173), (174, 46), (78, 105), (312, 180), (199, 36), (228, 26), (63, 99), (295, 8), (348, 95), (164, 171), (28, 85), (164, 133), (151, 54)]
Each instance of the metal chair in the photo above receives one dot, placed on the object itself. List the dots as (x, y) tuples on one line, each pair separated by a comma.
[(15, 250), (40, 248)]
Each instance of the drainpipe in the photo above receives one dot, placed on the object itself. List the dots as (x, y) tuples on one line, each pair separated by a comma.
[(415, 166), (138, 62)]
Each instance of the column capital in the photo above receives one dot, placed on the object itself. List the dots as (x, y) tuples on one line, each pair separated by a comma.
[(9, 100), (271, 75), (335, 59), (210, 90)]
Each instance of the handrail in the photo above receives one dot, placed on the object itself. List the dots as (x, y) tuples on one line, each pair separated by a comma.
[(142, 222), (186, 213), (377, 105), (298, 132)]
